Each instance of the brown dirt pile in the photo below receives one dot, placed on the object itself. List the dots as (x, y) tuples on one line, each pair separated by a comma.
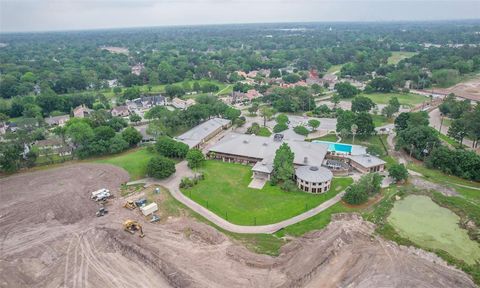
[(50, 237)]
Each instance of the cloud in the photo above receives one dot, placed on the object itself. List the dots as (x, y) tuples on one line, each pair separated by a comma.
[(28, 15)]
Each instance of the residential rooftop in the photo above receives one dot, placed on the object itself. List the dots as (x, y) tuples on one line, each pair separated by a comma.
[(197, 134), (366, 160), (263, 148)]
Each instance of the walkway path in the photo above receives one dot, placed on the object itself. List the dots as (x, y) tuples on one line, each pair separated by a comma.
[(172, 183)]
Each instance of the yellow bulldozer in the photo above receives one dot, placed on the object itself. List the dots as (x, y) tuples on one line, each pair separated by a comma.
[(133, 226), (130, 205)]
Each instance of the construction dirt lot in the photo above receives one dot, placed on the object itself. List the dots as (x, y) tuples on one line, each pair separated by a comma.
[(50, 237), (468, 90)]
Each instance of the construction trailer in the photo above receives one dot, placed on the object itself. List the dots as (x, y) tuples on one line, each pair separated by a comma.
[(99, 192), (149, 209)]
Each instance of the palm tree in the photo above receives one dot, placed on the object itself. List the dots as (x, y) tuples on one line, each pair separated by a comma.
[(354, 129)]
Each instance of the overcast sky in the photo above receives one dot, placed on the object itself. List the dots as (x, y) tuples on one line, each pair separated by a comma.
[(42, 15)]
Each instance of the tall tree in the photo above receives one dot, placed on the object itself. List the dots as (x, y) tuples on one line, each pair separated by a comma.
[(283, 168)]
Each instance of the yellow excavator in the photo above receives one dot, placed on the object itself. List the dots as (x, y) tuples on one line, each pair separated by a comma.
[(133, 226)]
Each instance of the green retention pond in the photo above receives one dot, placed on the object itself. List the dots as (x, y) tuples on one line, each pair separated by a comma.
[(422, 221)]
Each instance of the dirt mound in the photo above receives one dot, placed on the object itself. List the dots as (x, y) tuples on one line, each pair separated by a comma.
[(200, 233), (51, 238), (347, 254)]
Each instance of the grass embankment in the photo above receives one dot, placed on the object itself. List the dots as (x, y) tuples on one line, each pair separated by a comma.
[(225, 192), (407, 99), (134, 161), (469, 189), (316, 222), (398, 56)]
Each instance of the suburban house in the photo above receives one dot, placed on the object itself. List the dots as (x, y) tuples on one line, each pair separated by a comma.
[(260, 151), (330, 79), (200, 134), (120, 111), (252, 94), (152, 101), (81, 111), (300, 83), (315, 161), (53, 146), (354, 155), (57, 120), (366, 163), (182, 104), (313, 179), (238, 97)]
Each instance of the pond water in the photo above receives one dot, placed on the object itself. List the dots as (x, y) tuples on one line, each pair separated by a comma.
[(424, 222)]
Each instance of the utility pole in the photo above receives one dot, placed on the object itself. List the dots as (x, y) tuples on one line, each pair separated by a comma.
[(441, 124)]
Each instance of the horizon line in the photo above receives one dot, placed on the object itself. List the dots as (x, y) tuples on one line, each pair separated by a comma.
[(237, 24)]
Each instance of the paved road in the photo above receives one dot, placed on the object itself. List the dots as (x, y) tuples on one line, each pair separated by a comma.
[(435, 121), (182, 171)]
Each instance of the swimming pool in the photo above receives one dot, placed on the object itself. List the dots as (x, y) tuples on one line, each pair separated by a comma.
[(336, 147)]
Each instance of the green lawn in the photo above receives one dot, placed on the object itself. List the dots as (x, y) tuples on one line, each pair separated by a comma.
[(225, 91), (380, 120), (134, 161), (334, 69), (225, 192), (398, 56), (419, 219), (161, 87), (408, 99), (316, 222), (264, 132), (372, 141), (472, 194)]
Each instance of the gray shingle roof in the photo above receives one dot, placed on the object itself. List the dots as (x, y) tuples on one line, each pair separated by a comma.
[(313, 174), (258, 147), (366, 160), (56, 119), (197, 134), (263, 166)]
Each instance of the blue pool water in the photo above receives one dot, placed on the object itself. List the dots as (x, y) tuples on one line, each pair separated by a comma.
[(336, 147)]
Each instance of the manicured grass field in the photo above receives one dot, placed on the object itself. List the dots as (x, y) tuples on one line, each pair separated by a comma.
[(408, 99), (419, 219), (225, 192), (398, 56), (134, 161)]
